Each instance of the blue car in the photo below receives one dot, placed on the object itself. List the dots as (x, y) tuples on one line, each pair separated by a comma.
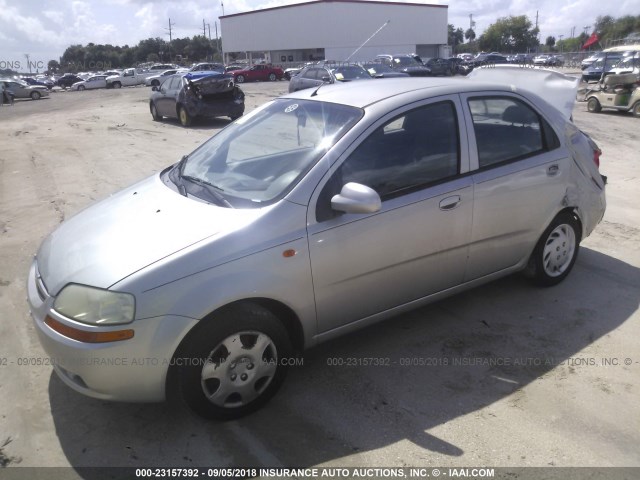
[(594, 71)]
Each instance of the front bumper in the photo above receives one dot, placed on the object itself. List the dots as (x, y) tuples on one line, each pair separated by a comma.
[(131, 370)]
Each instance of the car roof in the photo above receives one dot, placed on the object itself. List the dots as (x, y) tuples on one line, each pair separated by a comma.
[(363, 94)]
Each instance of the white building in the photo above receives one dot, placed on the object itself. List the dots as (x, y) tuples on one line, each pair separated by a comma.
[(335, 29)]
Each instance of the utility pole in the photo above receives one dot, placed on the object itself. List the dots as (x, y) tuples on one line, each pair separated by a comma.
[(26, 55), (222, 5), (204, 30), (170, 37), (560, 36)]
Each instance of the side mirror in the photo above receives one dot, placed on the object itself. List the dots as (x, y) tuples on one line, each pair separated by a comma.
[(154, 88), (326, 79), (356, 198)]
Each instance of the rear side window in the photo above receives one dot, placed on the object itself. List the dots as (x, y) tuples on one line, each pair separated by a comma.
[(507, 129)]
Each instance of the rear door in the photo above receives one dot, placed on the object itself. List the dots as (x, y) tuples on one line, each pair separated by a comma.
[(520, 179), (365, 264), (166, 101)]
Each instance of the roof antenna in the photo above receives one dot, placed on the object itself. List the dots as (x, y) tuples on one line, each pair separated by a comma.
[(367, 40)]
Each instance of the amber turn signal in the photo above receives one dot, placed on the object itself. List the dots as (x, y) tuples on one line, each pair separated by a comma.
[(88, 337)]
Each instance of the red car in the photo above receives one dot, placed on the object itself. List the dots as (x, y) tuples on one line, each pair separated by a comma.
[(258, 72)]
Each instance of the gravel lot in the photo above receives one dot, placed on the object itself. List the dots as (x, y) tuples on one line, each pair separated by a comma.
[(551, 401)]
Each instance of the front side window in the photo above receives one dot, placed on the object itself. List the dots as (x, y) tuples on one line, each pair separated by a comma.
[(507, 129), (410, 152)]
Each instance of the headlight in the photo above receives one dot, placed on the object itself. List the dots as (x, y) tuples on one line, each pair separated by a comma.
[(95, 306)]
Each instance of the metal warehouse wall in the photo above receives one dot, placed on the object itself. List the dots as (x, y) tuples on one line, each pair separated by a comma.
[(336, 26)]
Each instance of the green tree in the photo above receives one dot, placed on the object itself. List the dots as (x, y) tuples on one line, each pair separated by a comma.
[(550, 42), (53, 66), (510, 34), (455, 36), (470, 34)]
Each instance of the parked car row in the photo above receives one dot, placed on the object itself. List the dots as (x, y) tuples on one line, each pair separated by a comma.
[(611, 64)]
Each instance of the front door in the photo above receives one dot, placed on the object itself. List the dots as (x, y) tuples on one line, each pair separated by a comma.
[(416, 245)]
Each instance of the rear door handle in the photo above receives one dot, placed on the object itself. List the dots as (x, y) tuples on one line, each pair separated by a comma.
[(553, 170), (450, 203)]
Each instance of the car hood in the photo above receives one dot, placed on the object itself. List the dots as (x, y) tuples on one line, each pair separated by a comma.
[(129, 231), (558, 89)]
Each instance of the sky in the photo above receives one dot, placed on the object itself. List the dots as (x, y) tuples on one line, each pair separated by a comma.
[(43, 29)]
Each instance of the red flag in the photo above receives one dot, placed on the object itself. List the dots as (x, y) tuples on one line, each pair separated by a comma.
[(591, 40)]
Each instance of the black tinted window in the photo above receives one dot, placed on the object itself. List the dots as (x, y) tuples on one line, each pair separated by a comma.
[(507, 129), (411, 151)]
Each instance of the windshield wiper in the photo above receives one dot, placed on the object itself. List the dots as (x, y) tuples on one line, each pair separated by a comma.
[(211, 188), (176, 175)]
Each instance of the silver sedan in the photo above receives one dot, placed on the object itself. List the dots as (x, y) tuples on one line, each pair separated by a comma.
[(91, 83), (319, 213), (21, 89)]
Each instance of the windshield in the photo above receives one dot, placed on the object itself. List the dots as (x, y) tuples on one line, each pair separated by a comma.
[(405, 61), (259, 158), (350, 73)]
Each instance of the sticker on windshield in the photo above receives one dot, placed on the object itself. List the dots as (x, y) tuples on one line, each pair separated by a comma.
[(291, 108)]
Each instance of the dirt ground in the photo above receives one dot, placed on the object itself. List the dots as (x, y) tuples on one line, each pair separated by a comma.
[(565, 394)]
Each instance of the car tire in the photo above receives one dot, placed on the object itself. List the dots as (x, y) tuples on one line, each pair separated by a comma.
[(272, 77), (81, 87), (155, 83), (35, 95), (231, 364), (117, 85), (593, 105), (636, 109), (556, 251), (154, 112), (240, 79), (184, 117)]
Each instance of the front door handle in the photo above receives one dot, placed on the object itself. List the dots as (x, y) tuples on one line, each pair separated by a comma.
[(553, 170), (450, 203)]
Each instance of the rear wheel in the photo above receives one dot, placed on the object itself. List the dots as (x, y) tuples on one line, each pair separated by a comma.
[(240, 79), (184, 117), (636, 109), (155, 83), (35, 95), (232, 364), (593, 105), (556, 251)]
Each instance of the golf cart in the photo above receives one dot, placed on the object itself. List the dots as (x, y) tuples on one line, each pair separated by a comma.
[(619, 92)]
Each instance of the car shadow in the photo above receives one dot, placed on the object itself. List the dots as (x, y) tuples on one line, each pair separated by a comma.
[(200, 123), (389, 383)]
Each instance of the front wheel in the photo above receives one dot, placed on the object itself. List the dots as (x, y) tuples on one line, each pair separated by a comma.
[(556, 251), (81, 87), (232, 364), (240, 79), (117, 85), (593, 105), (272, 77), (35, 95), (154, 113), (636, 109)]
